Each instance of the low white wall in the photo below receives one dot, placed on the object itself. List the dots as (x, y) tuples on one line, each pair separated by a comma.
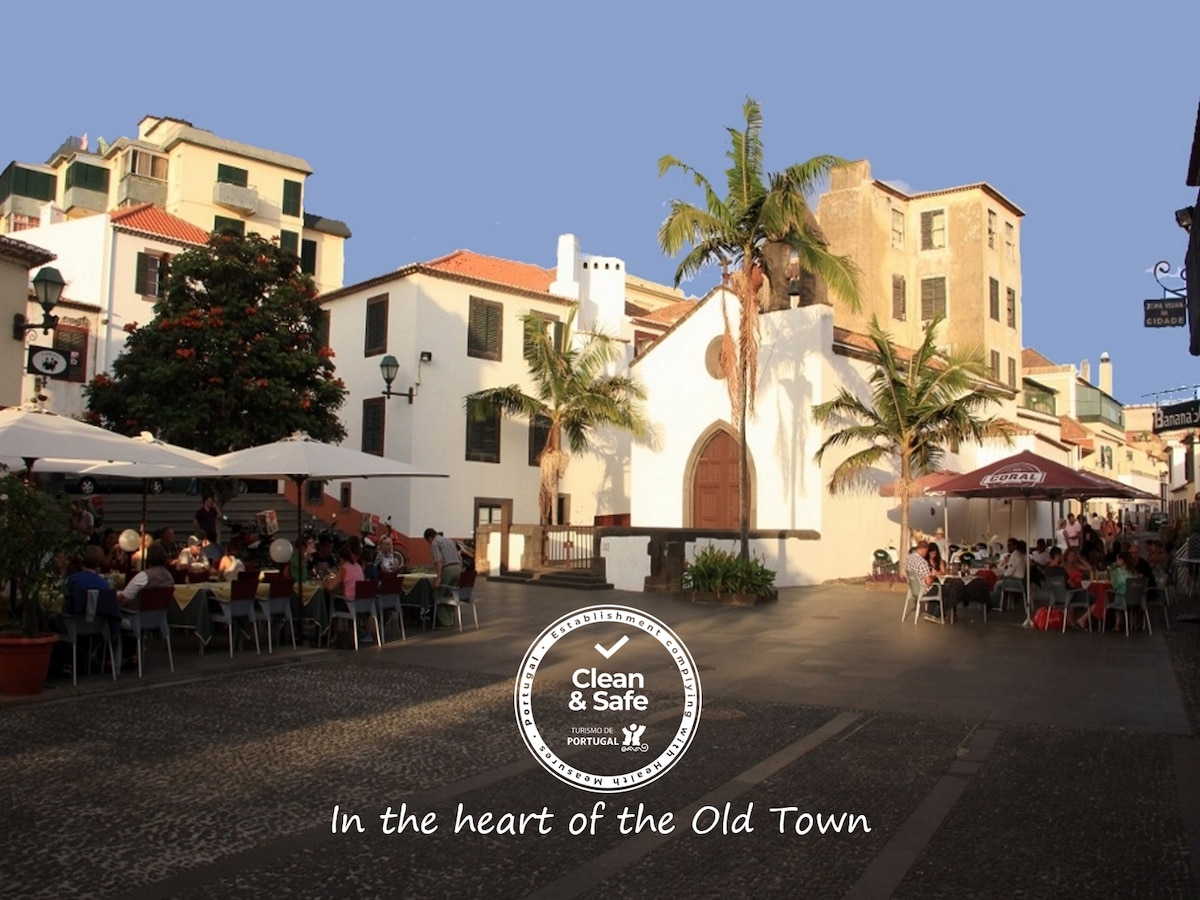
[(790, 558), (626, 562)]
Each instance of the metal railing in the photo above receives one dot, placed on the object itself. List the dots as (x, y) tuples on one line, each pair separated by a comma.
[(567, 546)]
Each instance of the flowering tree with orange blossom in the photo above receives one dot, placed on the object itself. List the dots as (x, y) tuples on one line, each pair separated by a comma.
[(236, 354)]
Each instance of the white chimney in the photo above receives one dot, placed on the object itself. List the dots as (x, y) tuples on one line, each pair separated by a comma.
[(1085, 371), (566, 278), (1105, 374)]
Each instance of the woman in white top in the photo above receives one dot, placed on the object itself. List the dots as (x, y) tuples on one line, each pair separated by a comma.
[(231, 566)]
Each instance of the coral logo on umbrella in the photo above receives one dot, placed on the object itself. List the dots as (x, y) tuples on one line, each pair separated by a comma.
[(1017, 475)]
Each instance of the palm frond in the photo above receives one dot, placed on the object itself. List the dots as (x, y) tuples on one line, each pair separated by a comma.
[(852, 471)]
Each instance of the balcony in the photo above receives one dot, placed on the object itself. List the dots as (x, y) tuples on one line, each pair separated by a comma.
[(77, 198), (233, 196), (141, 189)]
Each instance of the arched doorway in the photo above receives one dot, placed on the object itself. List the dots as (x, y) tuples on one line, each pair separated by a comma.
[(715, 482)]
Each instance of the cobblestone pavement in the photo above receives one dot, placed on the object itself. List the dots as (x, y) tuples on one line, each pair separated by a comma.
[(945, 742)]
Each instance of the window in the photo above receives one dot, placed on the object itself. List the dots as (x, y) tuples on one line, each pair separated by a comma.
[(933, 298), (1039, 399), (232, 175), (991, 229), (1011, 307), (151, 276), (27, 183), (539, 433), (314, 492), (347, 495), (225, 224), (375, 339), (72, 341), (321, 328), (87, 177), (308, 257), (994, 299), (546, 323), (373, 413), (933, 230), (485, 329), (291, 197), (994, 359), (483, 433), (289, 241), (899, 298), (147, 165), (1010, 242), (1012, 372), (897, 230)]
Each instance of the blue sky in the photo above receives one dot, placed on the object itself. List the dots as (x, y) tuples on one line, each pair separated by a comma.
[(495, 127)]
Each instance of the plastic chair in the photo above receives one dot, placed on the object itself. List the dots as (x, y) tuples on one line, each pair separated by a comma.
[(89, 624), (456, 598), (150, 615), (1162, 594), (923, 593), (1133, 598), (278, 605), (391, 598), (1011, 587), (363, 604), (240, 606)]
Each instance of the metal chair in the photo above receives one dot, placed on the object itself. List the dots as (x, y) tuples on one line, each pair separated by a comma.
[(89, 624), (363, 604), (150, 615), (278, 605), (240, 606)]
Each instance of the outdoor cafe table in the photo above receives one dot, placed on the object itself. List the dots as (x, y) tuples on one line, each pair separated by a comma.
[(191, 607)]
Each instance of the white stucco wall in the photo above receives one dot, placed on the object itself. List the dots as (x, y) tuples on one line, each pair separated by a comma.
[(626, 561)]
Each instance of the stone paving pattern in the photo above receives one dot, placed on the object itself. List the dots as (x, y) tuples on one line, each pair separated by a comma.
[(221, 780)]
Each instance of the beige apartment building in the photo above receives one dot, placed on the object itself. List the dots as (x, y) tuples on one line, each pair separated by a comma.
[(209, 181), (954, 252)]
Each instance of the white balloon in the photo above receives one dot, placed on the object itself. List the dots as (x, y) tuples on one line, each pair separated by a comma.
[(129, 540), (281, 550)]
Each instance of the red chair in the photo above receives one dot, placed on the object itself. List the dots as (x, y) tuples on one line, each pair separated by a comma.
[(363, 604), (278, 604), (240, 606), (150, 615)]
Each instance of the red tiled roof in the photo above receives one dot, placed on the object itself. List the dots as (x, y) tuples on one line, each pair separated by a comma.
[(153, 220), (1031, 359), (490, 268), (862, 342), (669, 315), (1073, 432)]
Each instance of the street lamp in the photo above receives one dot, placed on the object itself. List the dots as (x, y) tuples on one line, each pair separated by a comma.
[(388, 367), (48, 284)]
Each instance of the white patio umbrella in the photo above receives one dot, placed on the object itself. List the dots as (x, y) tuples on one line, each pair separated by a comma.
[(300, 458)]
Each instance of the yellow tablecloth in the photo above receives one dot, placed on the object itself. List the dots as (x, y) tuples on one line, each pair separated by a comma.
[(219, 589)]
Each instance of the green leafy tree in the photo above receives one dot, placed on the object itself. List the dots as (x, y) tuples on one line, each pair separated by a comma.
[(34, 529), (918, 408), (760, 226), (233, 358), (573, 395)]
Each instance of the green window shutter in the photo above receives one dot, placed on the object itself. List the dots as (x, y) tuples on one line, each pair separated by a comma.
[(375, 339), (485, 329), (539, 433), (289, 241), (145, 268), (994, 299), (308, 257), (72, 341), (223, 224), (291, 198), (926, 231), (483, 434), (899, 298), (232, 175), (373, 421)]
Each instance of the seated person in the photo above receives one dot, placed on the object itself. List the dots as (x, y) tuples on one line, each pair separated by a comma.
[(156, 574), (87, 578), (298, 570), (1011, 572), (324, 559), (1041, 553), (1139, 565), (389, 560), (1118, 574), (170, 546), (346, 579), (192, 558), (231, 565), (937, 565), (917, 564), (1077, 569), (115, 559)]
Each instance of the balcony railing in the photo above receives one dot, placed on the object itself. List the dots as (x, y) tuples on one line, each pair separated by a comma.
[(567, 546), (134, 188), (236, 197)]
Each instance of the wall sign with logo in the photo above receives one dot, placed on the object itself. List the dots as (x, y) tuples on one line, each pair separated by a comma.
[(1177, 416), (48, 362)]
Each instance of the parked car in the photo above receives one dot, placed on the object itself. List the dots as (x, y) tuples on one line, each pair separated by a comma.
[(112, 484)]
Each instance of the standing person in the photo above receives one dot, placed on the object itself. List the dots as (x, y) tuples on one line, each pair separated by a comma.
[(1074, 532), (1109, 531), (445, 558), (207, 519), (1060, 536)]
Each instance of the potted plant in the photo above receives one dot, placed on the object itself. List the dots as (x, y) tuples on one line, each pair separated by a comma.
[(718, 576), (34, 530)]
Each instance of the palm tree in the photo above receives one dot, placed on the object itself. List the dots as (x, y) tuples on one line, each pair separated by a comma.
[(918, 408), (746, 230), (573, 395)]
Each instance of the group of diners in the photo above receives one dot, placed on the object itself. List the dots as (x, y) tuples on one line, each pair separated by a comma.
[(1089, 558)]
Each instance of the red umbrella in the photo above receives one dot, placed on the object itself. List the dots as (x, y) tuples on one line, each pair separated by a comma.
[(1031, 477)]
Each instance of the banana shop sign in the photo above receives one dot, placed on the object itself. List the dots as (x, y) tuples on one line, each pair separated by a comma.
[(1177, 416)]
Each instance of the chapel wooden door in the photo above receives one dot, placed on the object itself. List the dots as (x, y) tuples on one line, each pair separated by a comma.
[(715, 483)]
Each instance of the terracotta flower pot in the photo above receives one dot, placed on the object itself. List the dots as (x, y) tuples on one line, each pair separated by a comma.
[(24, 663)]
